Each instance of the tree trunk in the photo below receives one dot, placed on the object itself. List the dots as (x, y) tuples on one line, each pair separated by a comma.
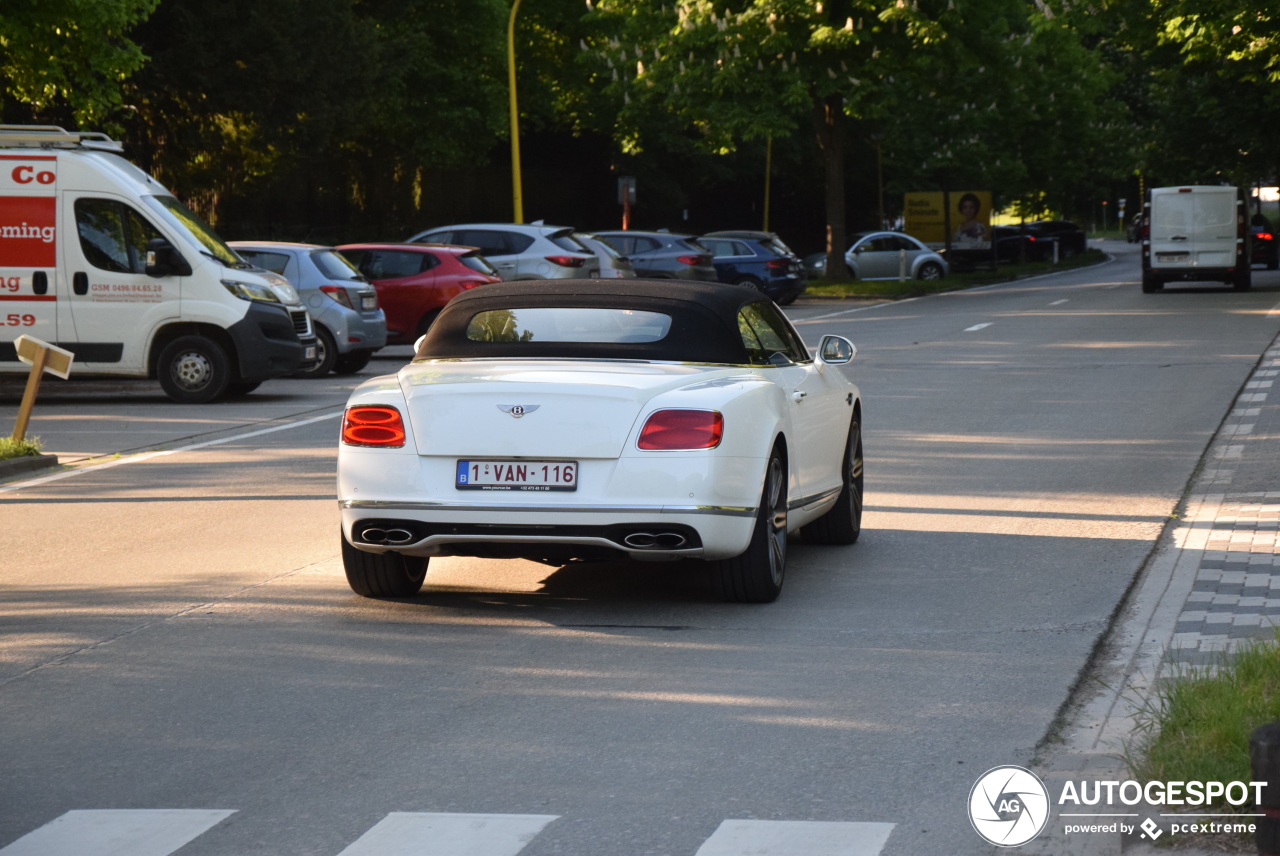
[(829, 125)]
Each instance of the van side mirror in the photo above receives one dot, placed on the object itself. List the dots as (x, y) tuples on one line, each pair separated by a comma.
[(164, 260)]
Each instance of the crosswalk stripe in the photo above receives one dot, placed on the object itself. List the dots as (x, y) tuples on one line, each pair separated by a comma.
[(430, 834), (796, 838), (119, 832)]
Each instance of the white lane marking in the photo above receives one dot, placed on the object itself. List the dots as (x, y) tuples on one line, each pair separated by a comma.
[(121, 832), (1058, 302), (796, 838), (428, 834), (134, 459), (978, 327), (800, 321)]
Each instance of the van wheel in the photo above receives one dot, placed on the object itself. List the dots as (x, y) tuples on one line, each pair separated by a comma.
[(1150, 284), (194, 370), (1243, 279), (326, 355)]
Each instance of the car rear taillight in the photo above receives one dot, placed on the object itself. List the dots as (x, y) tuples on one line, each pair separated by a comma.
[(694, 261), (681, 429), (778, 264), (566, 261), (372, 426), (473, 283), (1264, 236), (338, 293)]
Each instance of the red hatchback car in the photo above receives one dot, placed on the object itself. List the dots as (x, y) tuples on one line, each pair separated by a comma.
[(415, 280)]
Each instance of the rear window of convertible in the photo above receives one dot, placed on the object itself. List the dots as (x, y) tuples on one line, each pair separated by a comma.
[(598, 325)]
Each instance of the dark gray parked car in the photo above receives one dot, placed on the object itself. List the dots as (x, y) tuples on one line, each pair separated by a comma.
[(663, 255)]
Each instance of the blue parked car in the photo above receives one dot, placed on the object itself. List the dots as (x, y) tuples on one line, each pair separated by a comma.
[(757, 258), (344, 309)]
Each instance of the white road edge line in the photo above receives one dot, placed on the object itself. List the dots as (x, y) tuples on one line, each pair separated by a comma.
[(147, 456)]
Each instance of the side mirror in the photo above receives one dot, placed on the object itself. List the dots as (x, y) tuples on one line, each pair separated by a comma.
[(837, 350), (164, 260)]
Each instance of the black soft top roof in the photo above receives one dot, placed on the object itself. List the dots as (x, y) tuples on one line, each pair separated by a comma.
[(704, 319)]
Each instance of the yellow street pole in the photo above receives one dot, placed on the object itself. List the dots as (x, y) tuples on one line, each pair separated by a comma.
[(516, 194), (768, 173)]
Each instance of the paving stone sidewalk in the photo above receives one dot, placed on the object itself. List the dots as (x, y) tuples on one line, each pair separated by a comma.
[(1213, 585), (1236, 593)]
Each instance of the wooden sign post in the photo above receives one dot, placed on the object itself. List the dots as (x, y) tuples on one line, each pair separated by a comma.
[(42, 357)]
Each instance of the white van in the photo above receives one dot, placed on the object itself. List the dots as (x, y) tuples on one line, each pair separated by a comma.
[(98, 258), (1196, 232)]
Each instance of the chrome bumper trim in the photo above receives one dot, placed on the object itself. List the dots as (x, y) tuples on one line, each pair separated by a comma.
[(384, 505)]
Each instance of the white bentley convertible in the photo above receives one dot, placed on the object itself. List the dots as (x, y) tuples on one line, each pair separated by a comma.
[(578, 420)]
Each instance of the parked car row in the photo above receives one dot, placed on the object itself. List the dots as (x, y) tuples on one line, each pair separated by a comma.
[(540, 251), (364, 296)]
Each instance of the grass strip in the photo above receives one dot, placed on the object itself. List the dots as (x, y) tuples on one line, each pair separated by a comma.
[(1197, 725)]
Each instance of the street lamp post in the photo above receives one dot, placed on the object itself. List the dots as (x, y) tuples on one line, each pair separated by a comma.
[(517, 195)]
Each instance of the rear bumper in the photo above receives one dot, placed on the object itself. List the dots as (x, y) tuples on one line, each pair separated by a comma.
[(652, 533)]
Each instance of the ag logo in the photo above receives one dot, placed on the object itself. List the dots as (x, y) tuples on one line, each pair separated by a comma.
[(1008, 806)]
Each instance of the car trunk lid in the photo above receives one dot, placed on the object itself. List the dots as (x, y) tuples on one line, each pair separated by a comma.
[(539, 408)]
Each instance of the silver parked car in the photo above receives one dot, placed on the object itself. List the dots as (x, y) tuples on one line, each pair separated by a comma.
[(520, 250), (893, 255), (613, 264), (349, 324)]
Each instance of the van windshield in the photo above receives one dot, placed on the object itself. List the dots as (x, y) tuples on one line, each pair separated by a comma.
[(180, 216)]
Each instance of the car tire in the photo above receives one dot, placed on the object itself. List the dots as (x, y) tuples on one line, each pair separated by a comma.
[(352, 361), (929, 271), (326, 355), (751, 281), (1273, 263), (425, 322), (194, 370), (242, 387), (842, 524), (382, 574), (757, 574)]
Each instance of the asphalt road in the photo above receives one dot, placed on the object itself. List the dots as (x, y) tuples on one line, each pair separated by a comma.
[(179, 635)]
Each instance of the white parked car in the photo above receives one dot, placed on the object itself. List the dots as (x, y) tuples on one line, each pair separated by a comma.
[(558, 421), (893, 255)]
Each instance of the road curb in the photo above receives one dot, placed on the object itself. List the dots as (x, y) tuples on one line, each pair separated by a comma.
[(25, 464)]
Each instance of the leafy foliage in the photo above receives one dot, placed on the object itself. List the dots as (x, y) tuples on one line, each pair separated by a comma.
[(60, 57)]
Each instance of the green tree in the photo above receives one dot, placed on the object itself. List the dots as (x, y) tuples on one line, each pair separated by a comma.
[(63, 59), (975, 93), (331, 109)]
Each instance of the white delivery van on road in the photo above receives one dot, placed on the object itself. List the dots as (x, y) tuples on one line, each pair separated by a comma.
[(1196, 232), (97, 257)]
